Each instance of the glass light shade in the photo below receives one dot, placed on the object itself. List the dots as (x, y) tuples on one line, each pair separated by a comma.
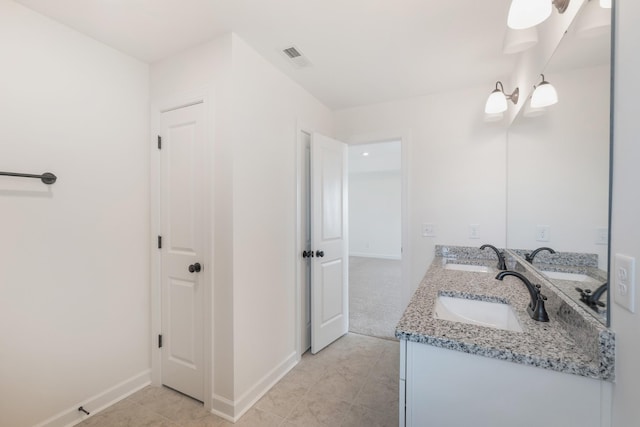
[(528, 13), (544, 95), (606, 4), (519, 40), (496, 103)]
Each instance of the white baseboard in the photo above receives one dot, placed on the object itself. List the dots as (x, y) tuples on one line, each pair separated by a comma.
[(99, 402), (233, 410), (370, 255)]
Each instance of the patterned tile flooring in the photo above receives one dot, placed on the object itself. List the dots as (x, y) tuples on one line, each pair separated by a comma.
[(353, 382)]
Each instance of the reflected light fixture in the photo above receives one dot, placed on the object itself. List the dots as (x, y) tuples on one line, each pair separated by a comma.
[(544, 94), (530, 111), (529, 13), (365, 154), (593, 21), (497, 101), (605, 4)]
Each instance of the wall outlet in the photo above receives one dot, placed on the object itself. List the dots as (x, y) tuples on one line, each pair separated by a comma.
[(474, 232), (602, 236), (624, 282), (542, 233), (428, 230)]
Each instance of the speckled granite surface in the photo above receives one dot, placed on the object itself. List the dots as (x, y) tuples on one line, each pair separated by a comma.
[(571, 259), (571, 342)]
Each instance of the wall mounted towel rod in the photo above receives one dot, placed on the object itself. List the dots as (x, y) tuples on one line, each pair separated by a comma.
[(47, 177)]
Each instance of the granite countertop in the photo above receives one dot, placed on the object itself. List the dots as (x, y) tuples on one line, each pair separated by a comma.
[(570, 342)]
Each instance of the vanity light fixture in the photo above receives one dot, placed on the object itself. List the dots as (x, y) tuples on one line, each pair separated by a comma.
[(497, 101), (544, 94), (530, 111), (529, 13)]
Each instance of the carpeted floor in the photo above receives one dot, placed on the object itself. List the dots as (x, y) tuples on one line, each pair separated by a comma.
[(374, 296)]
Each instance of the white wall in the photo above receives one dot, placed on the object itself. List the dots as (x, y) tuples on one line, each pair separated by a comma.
[(625, 232), (374, 214), (204, 70), (267, 106), (74, 275), (255, 113), (455, 166), (559, 167)]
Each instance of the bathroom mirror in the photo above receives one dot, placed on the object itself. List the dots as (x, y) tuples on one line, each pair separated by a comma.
[(558, 165)]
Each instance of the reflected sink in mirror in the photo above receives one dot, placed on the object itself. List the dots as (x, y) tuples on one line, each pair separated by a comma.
[(468, 267), (483, 313), (561, 275)]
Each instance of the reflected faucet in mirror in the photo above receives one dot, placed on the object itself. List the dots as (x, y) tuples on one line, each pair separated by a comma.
[(502, 265), (532, 255), (536, 307), (593, 299)]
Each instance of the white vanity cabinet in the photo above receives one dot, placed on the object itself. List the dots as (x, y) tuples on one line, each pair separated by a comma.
[(442, 388)]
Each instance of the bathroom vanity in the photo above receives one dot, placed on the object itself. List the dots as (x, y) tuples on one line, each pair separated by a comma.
[(463, 366)]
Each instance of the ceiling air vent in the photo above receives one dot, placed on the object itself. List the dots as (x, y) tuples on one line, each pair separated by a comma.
[(295, 56)]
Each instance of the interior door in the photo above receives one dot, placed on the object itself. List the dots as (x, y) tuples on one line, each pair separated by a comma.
[(329, 264), (182, 176)]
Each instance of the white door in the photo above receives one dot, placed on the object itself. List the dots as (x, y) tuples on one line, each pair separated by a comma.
[(329, 265), (182, 177)]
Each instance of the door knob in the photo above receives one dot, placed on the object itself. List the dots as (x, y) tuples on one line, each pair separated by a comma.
[(195, 268), (307, 254), (319, 254)]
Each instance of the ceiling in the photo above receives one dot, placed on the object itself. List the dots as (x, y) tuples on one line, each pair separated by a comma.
[(361, 51)]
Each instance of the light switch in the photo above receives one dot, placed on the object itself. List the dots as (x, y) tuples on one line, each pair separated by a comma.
[(542, 233), (428, 230), (624, 274), (474, 232), (602, 236)]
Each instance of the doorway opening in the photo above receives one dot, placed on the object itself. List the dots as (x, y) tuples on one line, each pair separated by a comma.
[(376, 231), (375, 238)]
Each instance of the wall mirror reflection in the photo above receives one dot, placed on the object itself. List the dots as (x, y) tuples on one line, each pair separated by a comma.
[(558, 167)]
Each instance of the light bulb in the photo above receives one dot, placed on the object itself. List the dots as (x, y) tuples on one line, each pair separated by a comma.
[(528, 13), (544, 95), (496, 103)]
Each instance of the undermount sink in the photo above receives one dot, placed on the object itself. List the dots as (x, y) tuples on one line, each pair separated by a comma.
[(467, 267), (491, 314), (561, 275)]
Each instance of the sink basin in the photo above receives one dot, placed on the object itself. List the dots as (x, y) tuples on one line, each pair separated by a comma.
[(491, 314), (467, 267), (561, 275)]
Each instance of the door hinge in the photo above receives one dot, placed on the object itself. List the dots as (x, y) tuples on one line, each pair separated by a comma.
[(160, 341), (159, 242), (159, 142)]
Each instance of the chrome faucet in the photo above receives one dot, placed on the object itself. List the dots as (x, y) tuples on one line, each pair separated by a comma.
[(536, 308), (502, 265), (532, 255), (593, 299)]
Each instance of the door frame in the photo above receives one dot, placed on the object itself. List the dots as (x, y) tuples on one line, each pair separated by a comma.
[(299, 192), (404, 136), (205, 97)]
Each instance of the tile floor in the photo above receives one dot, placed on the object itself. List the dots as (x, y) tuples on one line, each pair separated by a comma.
[(353, 382)]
